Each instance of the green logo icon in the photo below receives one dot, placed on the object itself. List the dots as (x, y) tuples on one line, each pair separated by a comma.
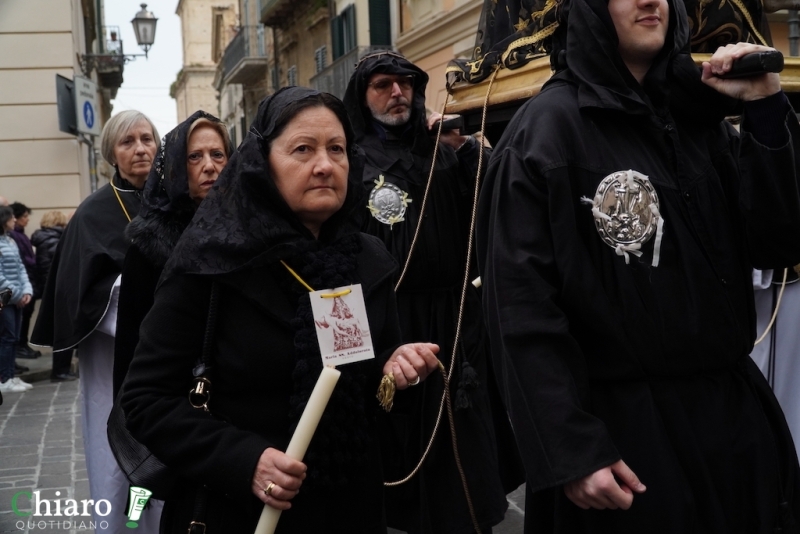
[(138, 500)]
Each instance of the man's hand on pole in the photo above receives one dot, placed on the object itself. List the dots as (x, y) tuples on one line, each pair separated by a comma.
[(747, 89), (452, 138)]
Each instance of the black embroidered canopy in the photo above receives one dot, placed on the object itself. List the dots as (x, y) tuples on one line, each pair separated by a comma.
[(511, 33)]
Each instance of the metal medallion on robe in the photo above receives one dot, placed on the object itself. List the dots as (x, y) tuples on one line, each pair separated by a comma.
[(387, 202), (626, 209)]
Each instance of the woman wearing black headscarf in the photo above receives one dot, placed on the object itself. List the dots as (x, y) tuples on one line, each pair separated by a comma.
[(286, 198), (191, 158)]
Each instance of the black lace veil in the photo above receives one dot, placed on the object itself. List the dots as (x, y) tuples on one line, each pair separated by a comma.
[(244, 220), (167, 187)]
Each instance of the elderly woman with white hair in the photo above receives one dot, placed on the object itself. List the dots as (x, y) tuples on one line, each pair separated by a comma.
[(79, 304)]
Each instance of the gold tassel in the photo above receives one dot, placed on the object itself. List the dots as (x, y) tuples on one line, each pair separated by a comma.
[(386, 392)]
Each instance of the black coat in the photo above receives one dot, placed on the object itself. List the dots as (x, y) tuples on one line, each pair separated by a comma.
[(152, 240), (86, 264), (139, 281), (601, 359), (252, 384), (45, 240)]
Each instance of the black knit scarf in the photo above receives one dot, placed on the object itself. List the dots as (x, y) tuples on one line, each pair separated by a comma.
[(341, 440)]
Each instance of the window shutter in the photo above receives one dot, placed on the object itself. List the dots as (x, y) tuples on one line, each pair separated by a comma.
[(349, 16), (321, 58), (380, 29), (337, 37)]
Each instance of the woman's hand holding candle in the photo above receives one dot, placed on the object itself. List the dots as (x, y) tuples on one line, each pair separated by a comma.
[(412, 363), (277, 478)]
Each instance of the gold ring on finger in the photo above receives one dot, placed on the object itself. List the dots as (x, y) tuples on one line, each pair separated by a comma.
[(268, 491)]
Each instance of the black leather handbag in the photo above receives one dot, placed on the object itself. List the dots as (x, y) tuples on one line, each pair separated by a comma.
[(140, 466)]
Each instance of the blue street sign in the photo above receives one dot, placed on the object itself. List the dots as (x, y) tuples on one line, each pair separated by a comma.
[(88, 114)]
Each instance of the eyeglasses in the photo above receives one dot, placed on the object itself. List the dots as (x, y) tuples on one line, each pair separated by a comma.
[(384, 85)]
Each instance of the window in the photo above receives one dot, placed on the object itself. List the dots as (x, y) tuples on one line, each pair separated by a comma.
[(380, 29), (343, 31), (291, 75), (321, 58)]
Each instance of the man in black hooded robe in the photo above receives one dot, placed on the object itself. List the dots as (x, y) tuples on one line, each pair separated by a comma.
[(616, 233), (386, 103)]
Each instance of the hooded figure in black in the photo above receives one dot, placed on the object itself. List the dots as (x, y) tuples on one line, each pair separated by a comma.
[(617, 229), (398, 162), (167, 209), (266, 359)]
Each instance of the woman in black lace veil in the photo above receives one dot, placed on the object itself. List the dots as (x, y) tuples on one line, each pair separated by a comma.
[(288, 195), (169, 201)]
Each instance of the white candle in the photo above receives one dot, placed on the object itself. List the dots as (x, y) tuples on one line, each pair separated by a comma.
[(302, 437)]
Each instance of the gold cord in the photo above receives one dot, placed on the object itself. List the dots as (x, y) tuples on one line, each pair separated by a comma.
[(462, 304), (424, 199), (297, 276), (386, 391), (311, 289), (448, 376), (125, 211), (774, 313)]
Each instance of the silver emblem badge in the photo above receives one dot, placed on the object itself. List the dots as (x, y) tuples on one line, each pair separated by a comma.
[(626, 214), (387, 202)]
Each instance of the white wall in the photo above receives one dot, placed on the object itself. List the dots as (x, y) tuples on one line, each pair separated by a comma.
[(43, 167)]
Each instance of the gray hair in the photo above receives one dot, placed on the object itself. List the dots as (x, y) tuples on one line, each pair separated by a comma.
[(117, 127)]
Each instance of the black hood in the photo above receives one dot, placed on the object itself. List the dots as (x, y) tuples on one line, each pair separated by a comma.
[(244, 221), (387, 62), (586, 47)]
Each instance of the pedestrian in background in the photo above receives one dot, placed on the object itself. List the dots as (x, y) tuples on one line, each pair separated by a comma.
[(79, 305), (12, 276), (46, 239), (185, 170), (22, 214)]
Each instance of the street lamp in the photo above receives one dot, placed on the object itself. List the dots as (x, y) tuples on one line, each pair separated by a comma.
[(144, 27)]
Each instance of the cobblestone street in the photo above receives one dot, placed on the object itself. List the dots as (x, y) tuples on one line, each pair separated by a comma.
[(41, 449)]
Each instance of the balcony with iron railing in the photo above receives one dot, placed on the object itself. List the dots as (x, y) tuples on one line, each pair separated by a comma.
[(245, 58), (334, 78), (110, 62)]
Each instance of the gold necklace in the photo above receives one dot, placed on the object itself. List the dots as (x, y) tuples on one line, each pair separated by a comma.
[(121, 205)]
